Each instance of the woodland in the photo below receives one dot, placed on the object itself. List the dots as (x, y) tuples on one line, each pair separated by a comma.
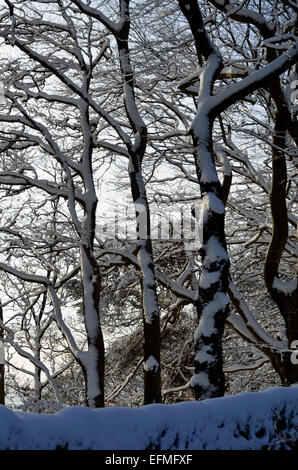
[(148, 201)]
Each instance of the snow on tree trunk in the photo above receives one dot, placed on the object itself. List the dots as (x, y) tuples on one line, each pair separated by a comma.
[(151, 319), (136, 151), (91, 360), (212, 304), (37, 371)]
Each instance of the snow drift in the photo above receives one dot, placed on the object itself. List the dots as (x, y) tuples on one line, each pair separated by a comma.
[(260, 420)]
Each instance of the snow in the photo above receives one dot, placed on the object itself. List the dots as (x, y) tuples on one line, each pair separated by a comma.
[(244, 422), (215, 252), (149, 296), (208, 278), (91, 315), (200, 379), (206, 324), (214, 65), (234, 92), (213, 203), (207, 168), (248, 321), (287, 286), (206, 327), (219, 302), (205, 355), (89, 359), (151, 364), (202, 129)]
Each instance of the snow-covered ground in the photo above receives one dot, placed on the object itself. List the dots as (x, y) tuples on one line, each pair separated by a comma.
[(258, 420)]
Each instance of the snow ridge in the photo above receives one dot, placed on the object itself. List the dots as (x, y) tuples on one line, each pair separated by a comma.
[(246, 421)]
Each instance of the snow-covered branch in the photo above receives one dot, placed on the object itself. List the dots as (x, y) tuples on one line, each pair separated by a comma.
[(27, 355)]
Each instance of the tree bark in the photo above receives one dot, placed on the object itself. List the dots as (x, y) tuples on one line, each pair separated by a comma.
[(2, 364), (92, 360), (150, 307), (212, 304), (287, 301)]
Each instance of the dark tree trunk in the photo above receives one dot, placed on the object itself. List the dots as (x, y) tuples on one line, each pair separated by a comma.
[(151, 319), (287, 302), (37, 371), (136, 151), (213, 304), (92, 361), (2, 364)]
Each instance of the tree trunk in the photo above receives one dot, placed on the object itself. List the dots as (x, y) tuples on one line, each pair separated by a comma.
[(151, 319), (285, 298), (136, 151), (212, 305), (92, 360), (2, 363), (37, 371)]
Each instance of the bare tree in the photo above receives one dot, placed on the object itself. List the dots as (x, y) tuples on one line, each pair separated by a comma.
[(80, 191), (80, 196), (79, 95), (213, 303)]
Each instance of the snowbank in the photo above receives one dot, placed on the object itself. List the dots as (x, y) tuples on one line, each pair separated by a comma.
[(259, 420)]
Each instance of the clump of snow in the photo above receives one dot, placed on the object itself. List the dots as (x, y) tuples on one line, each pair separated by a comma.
[(213, 203), (245, 421), (151, 364), (205, 354), (208, 278), (287, 286), (215, 252), (206, 325), (89, 359), (149, 298), (201, 379)]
